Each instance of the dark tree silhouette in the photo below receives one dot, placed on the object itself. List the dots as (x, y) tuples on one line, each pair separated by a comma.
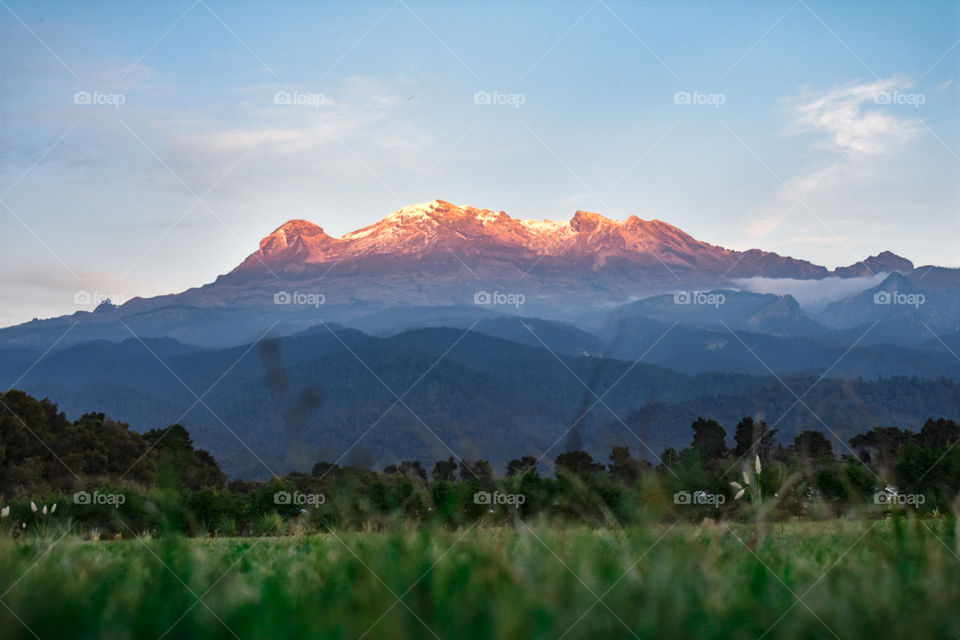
[(577, 462), (445, 470), (623, 466), (480, 469), (880, 446), (939, 433), (753, 437), (523, 466), (812, 445), (709, 438)]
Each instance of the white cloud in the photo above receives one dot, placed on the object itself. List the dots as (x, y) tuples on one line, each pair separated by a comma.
[(858, 129), (857, 118)]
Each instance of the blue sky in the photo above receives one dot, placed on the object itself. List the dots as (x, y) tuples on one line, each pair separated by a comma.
[(825, 131)]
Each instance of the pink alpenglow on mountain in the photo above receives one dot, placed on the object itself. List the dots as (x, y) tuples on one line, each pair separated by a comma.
[(447, 232)]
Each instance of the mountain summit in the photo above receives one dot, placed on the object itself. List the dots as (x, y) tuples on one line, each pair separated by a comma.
[(440, 264), (443, 230), (884, 262)]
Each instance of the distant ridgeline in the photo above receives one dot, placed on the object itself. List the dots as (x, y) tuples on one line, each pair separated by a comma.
[(495, 389)]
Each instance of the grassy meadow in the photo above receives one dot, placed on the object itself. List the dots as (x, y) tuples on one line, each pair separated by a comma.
[(893, 577)]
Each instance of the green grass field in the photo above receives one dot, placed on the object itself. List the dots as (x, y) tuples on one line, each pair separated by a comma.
[(846, 579)]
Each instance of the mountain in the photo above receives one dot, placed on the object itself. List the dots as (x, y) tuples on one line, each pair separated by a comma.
[(439, 264), (453, 326), (897, 311), (884, 262), (440, 228)]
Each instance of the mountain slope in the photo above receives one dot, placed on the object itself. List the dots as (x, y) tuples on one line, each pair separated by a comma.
[(442, 256)]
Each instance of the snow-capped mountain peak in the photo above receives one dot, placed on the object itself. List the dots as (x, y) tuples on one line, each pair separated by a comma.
[(442, 232)]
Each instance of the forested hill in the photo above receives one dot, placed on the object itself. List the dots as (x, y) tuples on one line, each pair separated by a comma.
[(332, 394)]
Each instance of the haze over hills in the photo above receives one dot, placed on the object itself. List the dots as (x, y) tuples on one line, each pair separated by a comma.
[(331, 394)]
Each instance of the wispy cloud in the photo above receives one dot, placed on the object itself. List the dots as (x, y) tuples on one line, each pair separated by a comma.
[(360, 129), (857, 129), (855, 118)]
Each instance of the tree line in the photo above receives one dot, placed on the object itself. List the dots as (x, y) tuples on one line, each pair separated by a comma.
[(167, 484)]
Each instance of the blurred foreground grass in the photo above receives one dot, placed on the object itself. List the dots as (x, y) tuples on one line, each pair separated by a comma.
[(849, 579)]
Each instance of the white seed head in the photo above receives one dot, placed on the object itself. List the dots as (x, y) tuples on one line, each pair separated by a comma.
[(5, 512), (756, 464), (44, 510), (53, 508), (736, 485), (746, 478), (33, 506), (739, 494)]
